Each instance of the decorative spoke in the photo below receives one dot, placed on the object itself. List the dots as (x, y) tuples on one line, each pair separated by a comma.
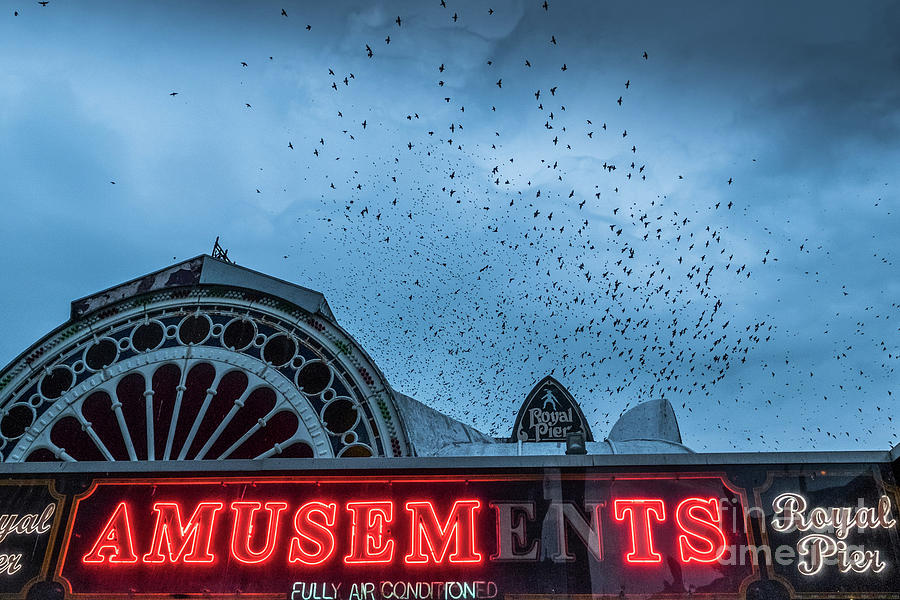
[(210, 392), (176, 410)]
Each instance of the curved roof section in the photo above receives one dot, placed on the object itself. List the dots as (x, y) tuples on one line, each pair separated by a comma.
[(205, 270), (651, 420), (433, 433)]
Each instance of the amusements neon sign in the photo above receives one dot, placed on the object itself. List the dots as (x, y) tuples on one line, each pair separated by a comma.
[(262, 536), (433, 539)]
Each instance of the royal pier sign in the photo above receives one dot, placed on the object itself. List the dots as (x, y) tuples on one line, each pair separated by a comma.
[(549, 414)]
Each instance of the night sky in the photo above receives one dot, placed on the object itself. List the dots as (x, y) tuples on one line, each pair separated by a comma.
[(478, 205)]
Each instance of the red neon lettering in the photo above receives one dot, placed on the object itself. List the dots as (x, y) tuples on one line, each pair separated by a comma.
[(426, 530), (242, 530), (639, 511), (315, 530), (367, 543), (116, 536), (195, 536), (700, 519)]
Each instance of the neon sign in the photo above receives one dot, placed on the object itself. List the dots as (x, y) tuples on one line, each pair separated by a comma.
[(817, 549), (29, 520), (264, 536), (29, 524), (433, 539)]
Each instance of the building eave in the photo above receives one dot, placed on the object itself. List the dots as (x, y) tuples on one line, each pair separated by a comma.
[(204, 270), (654, 461)]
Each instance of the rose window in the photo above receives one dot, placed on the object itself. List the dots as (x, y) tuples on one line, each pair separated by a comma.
[(205, 382)]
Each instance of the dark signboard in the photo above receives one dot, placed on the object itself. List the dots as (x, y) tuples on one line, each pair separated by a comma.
[(836, 532), (517, 531), (499, 535), (29, 517), (549, 414)]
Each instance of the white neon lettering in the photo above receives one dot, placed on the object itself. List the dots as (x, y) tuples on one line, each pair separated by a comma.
[(818, 549)]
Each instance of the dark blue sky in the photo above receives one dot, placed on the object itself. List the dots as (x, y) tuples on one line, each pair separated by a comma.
[(472, 261)]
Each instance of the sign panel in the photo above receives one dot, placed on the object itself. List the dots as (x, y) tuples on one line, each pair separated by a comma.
[(549, 414), (29, 517), (832, 533), (449, 537)]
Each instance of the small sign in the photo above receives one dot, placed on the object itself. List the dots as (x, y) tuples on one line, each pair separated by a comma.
[(29, 517), (833, 530), (549, 414)]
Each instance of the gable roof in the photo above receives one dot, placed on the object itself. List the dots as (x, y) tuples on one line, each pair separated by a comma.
[(205, 270)]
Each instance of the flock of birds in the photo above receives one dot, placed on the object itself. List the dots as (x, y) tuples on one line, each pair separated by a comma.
[(485, 268)]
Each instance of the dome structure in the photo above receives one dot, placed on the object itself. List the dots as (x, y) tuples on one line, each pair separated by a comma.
[(201, 360), (653, 420)]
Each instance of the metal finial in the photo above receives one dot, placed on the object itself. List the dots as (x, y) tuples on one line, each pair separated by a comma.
[(221, 253)]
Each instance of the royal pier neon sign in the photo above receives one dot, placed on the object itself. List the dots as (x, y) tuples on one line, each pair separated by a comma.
[(831, 527)]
